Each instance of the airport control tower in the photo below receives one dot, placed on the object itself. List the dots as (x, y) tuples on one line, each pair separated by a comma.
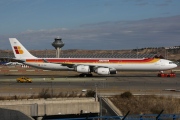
[(58, 44)]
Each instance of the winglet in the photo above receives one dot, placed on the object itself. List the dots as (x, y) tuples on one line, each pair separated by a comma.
[(19, 50)]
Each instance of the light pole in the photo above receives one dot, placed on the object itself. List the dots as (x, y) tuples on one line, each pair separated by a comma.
[(52, 87), (96, 93), (46, 53), (100, 106), (137, 52), (166, 52)]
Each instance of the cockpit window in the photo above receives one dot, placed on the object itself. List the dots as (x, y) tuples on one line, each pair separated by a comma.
[(171, 62)]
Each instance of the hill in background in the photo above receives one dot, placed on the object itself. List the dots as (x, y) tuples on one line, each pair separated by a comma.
[(172, 54), (168, 53)]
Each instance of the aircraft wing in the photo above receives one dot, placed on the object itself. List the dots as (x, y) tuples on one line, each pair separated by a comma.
[(63, 64)]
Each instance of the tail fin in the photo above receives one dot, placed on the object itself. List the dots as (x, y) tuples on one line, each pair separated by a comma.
[(19, 50)]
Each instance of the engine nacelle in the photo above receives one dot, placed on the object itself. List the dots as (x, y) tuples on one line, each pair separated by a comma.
[(83, 69), (105, 71)]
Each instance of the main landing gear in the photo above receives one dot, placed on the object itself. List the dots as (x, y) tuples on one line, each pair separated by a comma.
[(85, 75), (161, 74)]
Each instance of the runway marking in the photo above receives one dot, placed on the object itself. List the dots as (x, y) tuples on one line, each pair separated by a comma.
[(30, 70), (176, 70), (57, 79), (11, 66), (14, 70)]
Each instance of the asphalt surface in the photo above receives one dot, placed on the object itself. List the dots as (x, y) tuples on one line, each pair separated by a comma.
[(105, 85)]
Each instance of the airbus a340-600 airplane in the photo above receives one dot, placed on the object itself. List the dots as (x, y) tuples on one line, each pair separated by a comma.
[(85, 66)]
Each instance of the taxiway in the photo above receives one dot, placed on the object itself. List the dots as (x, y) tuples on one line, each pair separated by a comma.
[(105, 85)]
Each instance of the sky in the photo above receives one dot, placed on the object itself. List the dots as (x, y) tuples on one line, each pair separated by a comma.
[(90, 24)]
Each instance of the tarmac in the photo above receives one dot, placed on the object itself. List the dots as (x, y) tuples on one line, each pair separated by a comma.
[(137, 83), (68, 82)]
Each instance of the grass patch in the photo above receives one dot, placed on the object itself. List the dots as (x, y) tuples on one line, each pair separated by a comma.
[(49, 93), (148, 104)]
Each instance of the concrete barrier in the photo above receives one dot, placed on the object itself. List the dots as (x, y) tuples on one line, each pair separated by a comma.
[(112, 106), (48, 107)]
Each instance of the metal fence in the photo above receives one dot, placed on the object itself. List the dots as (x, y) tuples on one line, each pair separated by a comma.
[(130, 117)]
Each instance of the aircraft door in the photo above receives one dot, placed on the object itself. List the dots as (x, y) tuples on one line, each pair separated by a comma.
[(162, 64), (158, 64)]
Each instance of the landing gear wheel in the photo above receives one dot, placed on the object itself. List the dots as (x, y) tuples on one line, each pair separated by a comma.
[(89, 75), (85, 75)]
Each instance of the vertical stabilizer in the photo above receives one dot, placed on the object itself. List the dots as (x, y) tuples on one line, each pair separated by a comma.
[(19, 50)]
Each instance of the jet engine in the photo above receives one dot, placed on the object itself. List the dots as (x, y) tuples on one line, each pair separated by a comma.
[(83, 69), (105, 71)]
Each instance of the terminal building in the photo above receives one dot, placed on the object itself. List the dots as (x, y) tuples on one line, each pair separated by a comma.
[(7, 56)]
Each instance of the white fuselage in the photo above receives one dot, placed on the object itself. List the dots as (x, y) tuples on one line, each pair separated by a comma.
[(159, 65)]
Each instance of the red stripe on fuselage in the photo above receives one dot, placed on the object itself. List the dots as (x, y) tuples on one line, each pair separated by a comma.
[(90, 60)]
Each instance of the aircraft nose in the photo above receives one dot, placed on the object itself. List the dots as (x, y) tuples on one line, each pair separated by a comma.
[(175, 65)]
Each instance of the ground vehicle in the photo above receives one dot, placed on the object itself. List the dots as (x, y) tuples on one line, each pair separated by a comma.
[(172, 74), (24, 80)]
